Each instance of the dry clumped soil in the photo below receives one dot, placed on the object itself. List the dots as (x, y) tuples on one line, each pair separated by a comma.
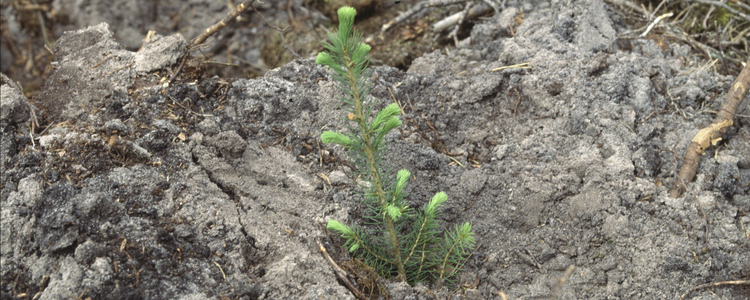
[(217, 188)]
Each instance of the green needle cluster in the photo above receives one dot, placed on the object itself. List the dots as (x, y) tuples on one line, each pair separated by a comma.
[(410, 245)]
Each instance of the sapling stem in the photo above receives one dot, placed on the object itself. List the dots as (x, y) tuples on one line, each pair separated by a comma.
[(413, 255), (371, 163)]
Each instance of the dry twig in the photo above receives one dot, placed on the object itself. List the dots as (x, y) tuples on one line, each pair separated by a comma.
[(432, 3), (281, 33), (221, 24), (461, 19), (340, 273), (236, 11), (560, 282), (711, 134), (715, 284), (415, 9), (724, 6), (628, 4)]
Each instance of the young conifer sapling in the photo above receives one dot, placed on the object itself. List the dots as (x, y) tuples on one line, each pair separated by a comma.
[(410, 245)]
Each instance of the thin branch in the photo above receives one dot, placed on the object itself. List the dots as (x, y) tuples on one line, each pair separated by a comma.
[(724, 6), (494, 6), (281, 33), (743, 5), (628, 4), (711, 134), (715, 284), (221, 24), (340, 273), (461, 19), (416, 8), (667, 15)]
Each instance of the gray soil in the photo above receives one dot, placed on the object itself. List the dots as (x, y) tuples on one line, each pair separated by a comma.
[(217, 188)]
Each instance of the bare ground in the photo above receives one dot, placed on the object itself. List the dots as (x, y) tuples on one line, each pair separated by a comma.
[(214, 188)]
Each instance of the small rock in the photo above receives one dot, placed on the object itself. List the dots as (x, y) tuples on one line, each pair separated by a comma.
[(48, 140), (86, 252), (12, 106), (116, 124), (338, 178), (159, 52), (168, 126)]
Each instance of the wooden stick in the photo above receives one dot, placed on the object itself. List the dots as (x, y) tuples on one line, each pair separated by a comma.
[(221, 24), (416, 8), (715, 284), (711, 134), (724, 6), (340, 273)]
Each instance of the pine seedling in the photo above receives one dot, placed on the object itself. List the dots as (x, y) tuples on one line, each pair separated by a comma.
[(397, 240)]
